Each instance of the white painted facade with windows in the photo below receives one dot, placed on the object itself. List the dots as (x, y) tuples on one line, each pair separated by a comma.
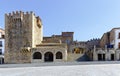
[(2, 45), (109, 53), (116, 40), (2, 41)]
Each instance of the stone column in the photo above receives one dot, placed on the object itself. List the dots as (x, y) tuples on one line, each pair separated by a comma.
[(102, 56), (43, 57), (117, 55), (54, 57), (65, 55), (94, 54), (106, 53)]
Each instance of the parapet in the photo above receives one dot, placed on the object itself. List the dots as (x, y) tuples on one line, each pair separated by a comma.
[(19, 13)]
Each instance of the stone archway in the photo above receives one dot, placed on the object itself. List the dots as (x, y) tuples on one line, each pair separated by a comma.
[(37, 55), (48, 57), (59, 55)]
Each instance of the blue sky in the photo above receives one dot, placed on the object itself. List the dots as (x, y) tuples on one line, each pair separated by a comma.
[(86, 18)]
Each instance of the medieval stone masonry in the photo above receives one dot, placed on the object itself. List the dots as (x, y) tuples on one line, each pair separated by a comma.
[(24, 43), (23, 32)]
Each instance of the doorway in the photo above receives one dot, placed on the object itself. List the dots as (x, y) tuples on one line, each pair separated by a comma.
[(112, 56), (99, 57)]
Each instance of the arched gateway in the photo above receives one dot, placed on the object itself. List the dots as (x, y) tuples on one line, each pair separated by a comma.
[(37, 55), (48, 57)]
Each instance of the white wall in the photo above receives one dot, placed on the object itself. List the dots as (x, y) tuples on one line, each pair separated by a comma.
[(107, 54), (0, 34), (117, 40), (3, 45)]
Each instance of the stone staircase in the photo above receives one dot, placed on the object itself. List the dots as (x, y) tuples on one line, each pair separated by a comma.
[(77, 57)]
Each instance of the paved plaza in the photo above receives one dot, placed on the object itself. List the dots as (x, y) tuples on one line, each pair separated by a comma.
[(65, 69)]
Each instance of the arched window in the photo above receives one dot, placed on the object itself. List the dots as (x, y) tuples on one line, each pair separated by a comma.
[(37, 55), (58, 55)]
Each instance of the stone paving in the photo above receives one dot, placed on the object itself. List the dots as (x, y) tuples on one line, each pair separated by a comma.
[(62, 70), (58, 64)]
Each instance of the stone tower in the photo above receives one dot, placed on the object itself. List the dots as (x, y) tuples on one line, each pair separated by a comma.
[(21, 30)]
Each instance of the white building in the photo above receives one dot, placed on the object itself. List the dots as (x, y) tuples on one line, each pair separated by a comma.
[(116, 40), (110, 46), (2, 47)]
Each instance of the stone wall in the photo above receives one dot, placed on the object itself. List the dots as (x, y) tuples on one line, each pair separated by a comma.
[(37, 32), (21, 30), (65, 37), (104, 40), (53, 49), (26, 55)]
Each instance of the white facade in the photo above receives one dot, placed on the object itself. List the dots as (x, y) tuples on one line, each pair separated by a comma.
[(2, 47), (0, 35), (2, 41), (105, 55), (116, 41), (109, 53)]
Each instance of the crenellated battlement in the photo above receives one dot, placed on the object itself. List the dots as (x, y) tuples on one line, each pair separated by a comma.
[(19, 13), (22, 29)]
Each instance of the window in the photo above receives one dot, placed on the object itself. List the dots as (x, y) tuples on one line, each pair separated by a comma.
[(119, 36), (0, 51), (119, 45), (0, 43)]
